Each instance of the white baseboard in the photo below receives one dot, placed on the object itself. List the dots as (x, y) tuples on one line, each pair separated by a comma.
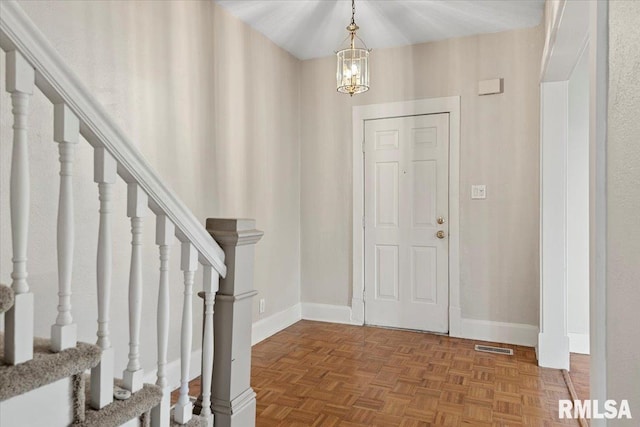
[(579, 343), (481, 330), (553, 350), (328, 313), (507, 333), (264, 328), (173, 371)]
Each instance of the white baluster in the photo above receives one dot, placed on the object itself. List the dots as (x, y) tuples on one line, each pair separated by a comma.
[(189, 264), (210, 287), (136, 209), (66, 129), (165, 236), (105, 170), (18, 339)]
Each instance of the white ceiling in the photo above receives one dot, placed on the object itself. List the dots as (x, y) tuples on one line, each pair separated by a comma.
[(316, 28)]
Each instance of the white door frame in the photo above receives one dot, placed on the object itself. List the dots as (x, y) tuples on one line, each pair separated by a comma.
[(569, 32), (573, 24), (362, 113)]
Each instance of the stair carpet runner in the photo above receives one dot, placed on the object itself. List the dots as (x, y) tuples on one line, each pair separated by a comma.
[(47, 367)]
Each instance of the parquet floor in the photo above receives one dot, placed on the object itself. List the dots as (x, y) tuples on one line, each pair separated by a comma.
[(579, 374), (323, 374)]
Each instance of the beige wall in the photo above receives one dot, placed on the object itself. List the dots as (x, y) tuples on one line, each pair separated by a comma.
[(499, 260), (623, 205), (200, 94)]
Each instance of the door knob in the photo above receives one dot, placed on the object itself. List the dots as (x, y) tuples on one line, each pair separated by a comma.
[(440, 234), (440, 220)]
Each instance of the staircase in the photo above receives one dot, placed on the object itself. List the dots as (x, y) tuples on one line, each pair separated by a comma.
[(59, 381)]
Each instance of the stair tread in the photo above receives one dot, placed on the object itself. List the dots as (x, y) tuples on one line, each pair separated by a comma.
[(120, 411), (196, 421), (6, 298), (45, 367)]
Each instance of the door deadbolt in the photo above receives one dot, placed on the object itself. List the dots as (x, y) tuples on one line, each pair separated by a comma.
[(440, 234)]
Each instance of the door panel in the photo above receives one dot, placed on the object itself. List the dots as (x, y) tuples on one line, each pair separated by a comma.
[(387, 194), (423, 272), (406, 191), (387, 272)]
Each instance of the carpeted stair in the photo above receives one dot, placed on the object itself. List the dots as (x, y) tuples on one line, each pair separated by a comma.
[(196, 421), (45, 367), (120, 411), (6, 298)]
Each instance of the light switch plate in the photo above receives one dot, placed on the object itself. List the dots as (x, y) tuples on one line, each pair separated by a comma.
[(478, 191)]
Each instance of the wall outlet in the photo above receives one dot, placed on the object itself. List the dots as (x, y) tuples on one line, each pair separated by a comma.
[(262, 305), (478, 191)]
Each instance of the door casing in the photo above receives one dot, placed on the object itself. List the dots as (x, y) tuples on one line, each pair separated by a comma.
[(362, 113)]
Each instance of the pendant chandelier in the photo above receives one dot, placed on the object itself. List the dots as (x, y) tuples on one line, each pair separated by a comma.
[(353, 62)]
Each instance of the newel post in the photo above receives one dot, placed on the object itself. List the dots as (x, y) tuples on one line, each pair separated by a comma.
[(234, 401)]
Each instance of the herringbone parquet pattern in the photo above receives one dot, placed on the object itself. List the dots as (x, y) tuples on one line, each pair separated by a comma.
[(321, 374)]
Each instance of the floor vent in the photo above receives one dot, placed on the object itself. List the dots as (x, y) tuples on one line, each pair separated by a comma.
[(495, 350)]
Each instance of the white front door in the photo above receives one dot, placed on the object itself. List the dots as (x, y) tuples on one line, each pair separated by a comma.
[(406, 247)]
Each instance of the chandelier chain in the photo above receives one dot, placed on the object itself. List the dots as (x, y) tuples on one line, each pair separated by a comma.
[(353, 12)]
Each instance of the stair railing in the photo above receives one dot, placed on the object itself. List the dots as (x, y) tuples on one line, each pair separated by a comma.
[(32, 62)]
